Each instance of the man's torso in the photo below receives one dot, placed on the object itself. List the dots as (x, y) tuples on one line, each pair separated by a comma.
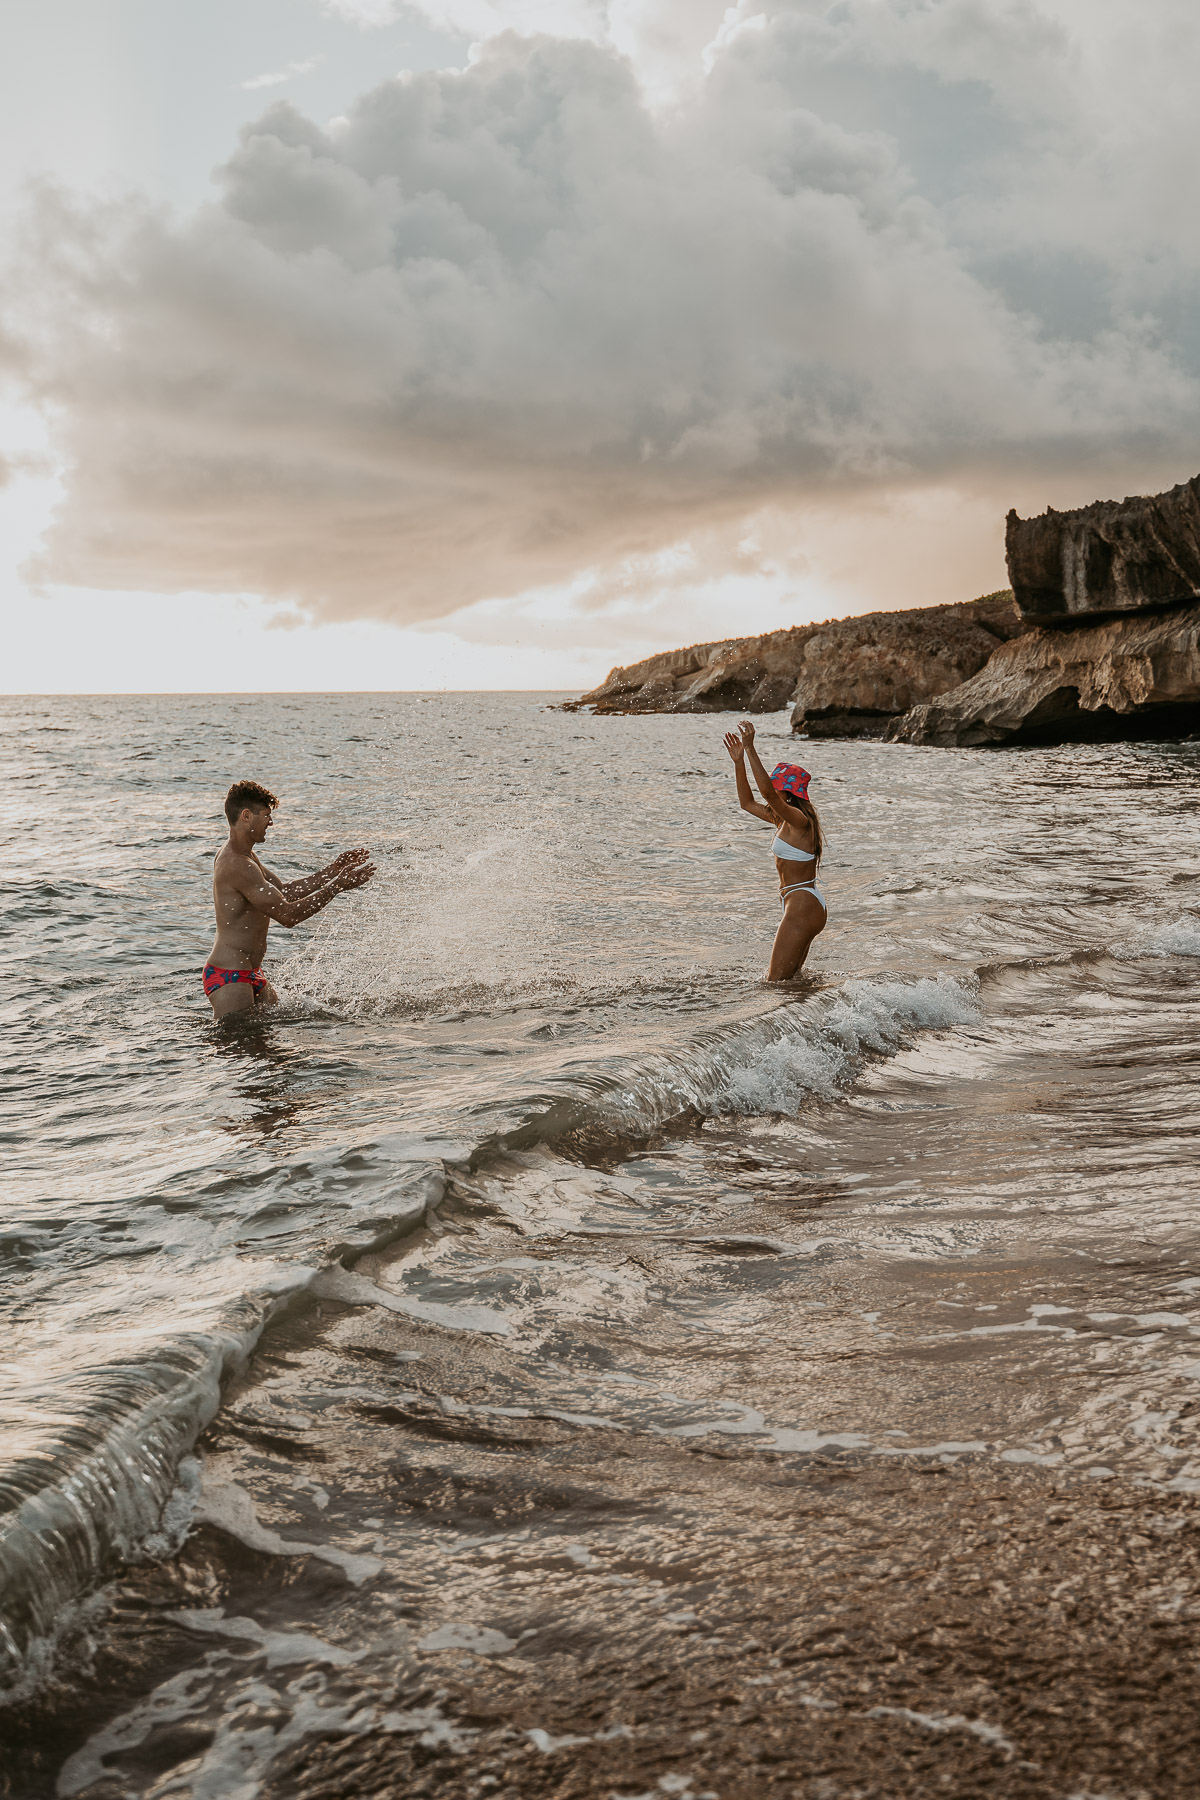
[(241, 940)]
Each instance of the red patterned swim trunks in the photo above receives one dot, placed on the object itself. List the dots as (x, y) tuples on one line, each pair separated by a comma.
[(219, 978)]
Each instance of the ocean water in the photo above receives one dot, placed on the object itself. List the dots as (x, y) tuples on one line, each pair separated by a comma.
[(527, 1097)]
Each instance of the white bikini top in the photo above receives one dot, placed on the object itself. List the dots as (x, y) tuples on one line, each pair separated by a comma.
[(788, 853)]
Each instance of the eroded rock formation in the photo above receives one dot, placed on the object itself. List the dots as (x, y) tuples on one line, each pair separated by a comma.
[(754, 674), (1113, 556), (1124, 677), (1098, 638), (856, 675), (844, 678)]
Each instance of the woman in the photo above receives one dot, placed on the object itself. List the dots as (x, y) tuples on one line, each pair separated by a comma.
[(797, 849)]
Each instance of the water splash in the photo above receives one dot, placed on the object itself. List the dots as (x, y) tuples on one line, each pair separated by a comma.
[(472, 916)]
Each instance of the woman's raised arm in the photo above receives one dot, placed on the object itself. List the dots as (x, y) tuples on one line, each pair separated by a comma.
[(775, 807), (746, 800)]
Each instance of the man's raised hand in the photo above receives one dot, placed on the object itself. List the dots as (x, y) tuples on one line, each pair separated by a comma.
[(348, 858), (356, 874), (747, 731), (735, 746)]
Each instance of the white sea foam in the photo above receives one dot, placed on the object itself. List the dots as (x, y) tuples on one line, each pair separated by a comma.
[(337, 1283), (990, 1734), (802, 1048), (1178, 937), (280, 1648), (240, 1753), (481, 1640), (227, 1505), (173, 1700), (824, 1054), (178, 1513), (784, 1074)]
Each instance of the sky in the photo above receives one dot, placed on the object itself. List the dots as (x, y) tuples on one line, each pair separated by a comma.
[(488, 343)]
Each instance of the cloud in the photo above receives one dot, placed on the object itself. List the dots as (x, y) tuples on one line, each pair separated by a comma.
[(289, 71), (513, 325), (481, 19), (671, 42)]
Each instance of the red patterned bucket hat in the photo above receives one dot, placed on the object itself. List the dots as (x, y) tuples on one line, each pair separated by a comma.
[(790, 778)]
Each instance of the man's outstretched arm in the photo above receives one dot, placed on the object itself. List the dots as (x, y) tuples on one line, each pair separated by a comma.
[(265, 897), (305, 885)]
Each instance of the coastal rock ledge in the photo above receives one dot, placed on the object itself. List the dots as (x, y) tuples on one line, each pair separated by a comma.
[(1136, 676), (842, 678), (1113, 591), (1098, 638)]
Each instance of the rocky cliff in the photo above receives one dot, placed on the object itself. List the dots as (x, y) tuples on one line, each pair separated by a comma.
[(843, 678), (1112, 556), (1099, 637), (855, 675), (753, 674), (1124, 677)]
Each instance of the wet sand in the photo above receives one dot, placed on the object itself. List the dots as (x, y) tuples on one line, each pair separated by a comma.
[(419, 1570)]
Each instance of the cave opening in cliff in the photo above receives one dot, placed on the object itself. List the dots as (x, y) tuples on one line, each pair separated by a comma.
[(1059, 719)]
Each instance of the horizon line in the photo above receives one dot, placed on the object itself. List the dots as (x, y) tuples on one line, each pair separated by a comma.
[(246, 693)]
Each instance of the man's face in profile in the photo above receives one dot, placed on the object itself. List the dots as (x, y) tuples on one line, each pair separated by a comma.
[(258, 819)]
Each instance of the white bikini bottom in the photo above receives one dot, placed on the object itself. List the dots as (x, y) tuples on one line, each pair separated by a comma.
[(800, 887)]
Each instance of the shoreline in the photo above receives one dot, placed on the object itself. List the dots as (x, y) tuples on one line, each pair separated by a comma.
[(481, 1597)]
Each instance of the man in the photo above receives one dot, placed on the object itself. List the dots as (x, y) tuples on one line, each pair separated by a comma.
[(247, 896)]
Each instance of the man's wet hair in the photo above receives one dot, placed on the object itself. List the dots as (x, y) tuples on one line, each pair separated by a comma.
[(247, 793)]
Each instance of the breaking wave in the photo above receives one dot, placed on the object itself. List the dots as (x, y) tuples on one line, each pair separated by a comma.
[(1179, 937), (115, 1461), (811, 1047)]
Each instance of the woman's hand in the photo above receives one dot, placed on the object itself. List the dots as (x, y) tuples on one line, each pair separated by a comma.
[(735, 746), (747, 731)]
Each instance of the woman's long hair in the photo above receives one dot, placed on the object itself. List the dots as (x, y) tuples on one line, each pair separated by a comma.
[(814, 818)]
